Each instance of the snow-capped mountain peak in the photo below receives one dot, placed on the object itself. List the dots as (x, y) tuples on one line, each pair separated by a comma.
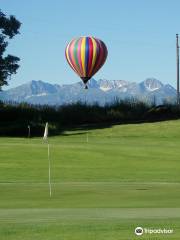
[(106, 85), (151, 84)]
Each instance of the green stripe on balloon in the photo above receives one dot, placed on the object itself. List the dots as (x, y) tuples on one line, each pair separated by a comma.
[(75, 53)]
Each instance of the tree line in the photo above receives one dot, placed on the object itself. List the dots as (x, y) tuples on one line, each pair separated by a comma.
[(15, 118)]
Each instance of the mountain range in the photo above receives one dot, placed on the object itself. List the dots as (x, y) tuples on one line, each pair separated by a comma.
[(100, 91)]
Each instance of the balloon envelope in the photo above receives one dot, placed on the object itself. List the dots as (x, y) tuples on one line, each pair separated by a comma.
[(86, 55)]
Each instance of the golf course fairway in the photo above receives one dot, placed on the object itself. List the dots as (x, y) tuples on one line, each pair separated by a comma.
[(105, 183)]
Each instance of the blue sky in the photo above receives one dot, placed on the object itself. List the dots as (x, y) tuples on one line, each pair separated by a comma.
[(139, 34)]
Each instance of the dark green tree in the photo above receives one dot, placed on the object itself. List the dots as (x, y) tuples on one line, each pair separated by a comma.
[(9, 27)]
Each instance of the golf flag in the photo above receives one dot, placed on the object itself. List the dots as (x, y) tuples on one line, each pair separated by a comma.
[(46, 132)]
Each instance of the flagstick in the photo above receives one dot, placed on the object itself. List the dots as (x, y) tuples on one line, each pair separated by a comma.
[(87, 137), (46, 139), (49, 171)]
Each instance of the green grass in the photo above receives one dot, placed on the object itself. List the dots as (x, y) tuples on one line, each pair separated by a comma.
[(125, 176)]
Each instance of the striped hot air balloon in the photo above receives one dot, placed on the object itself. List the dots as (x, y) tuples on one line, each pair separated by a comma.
[(86, 55)]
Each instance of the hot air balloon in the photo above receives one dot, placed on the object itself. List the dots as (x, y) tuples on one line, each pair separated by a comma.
[(86, 55)]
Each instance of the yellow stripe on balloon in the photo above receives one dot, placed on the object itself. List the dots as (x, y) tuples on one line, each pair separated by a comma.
[(83, 55), (94, 54)]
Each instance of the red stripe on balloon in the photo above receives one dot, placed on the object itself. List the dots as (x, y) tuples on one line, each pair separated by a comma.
[(90, 56)]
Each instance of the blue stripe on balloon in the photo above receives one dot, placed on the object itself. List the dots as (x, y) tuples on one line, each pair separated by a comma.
[(87, 54)]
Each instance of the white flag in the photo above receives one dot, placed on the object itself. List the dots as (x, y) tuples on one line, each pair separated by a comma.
[(46, 132)]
